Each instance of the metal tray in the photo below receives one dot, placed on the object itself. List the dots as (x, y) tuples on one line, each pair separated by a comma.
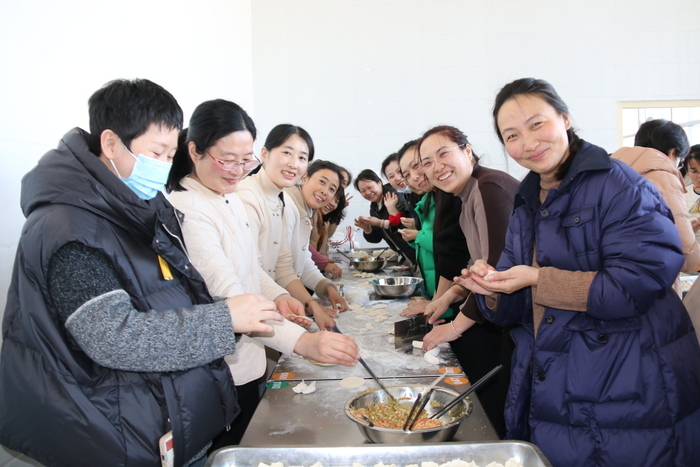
[(526, 454)]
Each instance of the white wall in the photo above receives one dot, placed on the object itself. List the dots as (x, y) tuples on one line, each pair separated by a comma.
[(55, 54), (365, 76)]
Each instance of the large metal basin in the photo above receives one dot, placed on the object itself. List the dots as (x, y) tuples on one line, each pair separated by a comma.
[(441, 396), (395, 286), (368, 264)]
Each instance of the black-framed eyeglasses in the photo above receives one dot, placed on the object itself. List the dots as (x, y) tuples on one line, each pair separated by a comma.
[(233, 164)]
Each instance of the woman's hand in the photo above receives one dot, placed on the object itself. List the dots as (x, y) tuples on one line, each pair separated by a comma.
[(438, 335), (347, 200), (415, 307), (508, 281), (390, 201), (480, 269), (322, 316), (293, 310), (328, 347), (366, 223), (447, 332), (249, 311), (408, 222), (334, 270), (337, 301), (435, 309), (408, 235)]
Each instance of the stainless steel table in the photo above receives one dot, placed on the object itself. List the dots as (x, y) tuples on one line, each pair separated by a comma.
[(318, 419), (286, 418)]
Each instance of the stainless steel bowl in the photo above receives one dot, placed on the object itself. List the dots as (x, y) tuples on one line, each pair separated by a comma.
[(439, 397), (368, 264), (395, 286)]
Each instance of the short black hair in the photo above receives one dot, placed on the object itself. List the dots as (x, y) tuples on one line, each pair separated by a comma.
[(129, 108), (367, 174), (663, 135)]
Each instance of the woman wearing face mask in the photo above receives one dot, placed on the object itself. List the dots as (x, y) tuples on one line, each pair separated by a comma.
[(487, 195), (285, 157), (320, 185), (607, 366), (383, 205), (213, 156)]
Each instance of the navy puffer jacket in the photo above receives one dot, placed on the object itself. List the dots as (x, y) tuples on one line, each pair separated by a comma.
[(618, 384)]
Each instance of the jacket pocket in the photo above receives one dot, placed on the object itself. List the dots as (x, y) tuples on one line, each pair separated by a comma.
[(581, 232), (604, 360)]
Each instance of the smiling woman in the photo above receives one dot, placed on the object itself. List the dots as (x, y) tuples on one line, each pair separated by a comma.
[(214, 155), (586, 278), (273, 217)]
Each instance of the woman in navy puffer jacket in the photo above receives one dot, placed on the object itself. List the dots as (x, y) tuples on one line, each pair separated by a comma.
[(607, 367)]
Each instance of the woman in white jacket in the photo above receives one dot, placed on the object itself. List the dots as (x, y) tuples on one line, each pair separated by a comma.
[(213, 156), (285, 157)]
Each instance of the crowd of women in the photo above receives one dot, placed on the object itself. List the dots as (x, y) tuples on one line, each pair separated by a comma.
[(568, 278)]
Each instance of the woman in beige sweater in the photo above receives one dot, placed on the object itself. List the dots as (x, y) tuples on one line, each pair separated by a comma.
[(660, 146)]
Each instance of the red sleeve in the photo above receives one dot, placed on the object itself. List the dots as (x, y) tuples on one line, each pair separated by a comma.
[(396, 219)]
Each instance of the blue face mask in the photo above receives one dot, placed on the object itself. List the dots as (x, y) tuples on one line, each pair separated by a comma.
[(404, 190), (147, 177)]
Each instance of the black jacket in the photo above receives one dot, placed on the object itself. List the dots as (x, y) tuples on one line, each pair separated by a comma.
[(56, 404), (391, 236)]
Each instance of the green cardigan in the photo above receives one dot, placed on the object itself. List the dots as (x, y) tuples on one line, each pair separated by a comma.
[(423, 244)]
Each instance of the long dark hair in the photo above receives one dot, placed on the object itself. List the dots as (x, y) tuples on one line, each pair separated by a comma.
[(544, 90), (339, 194), (281, 133), (211, 121), (450, 132)]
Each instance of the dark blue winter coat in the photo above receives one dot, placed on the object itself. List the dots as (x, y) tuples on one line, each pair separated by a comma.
[(56, 404), (618, 385)]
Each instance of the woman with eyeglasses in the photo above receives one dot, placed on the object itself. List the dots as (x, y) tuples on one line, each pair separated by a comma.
[(660, 147), (285, 157), (213, 156), (607, 367), (448, 161), (320, 186)]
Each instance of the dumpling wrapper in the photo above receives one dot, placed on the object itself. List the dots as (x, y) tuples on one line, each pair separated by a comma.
[(513, 463), (352, 382), (417, 344)]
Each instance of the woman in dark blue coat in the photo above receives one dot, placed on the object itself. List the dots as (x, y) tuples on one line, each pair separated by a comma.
[(607, 365)]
